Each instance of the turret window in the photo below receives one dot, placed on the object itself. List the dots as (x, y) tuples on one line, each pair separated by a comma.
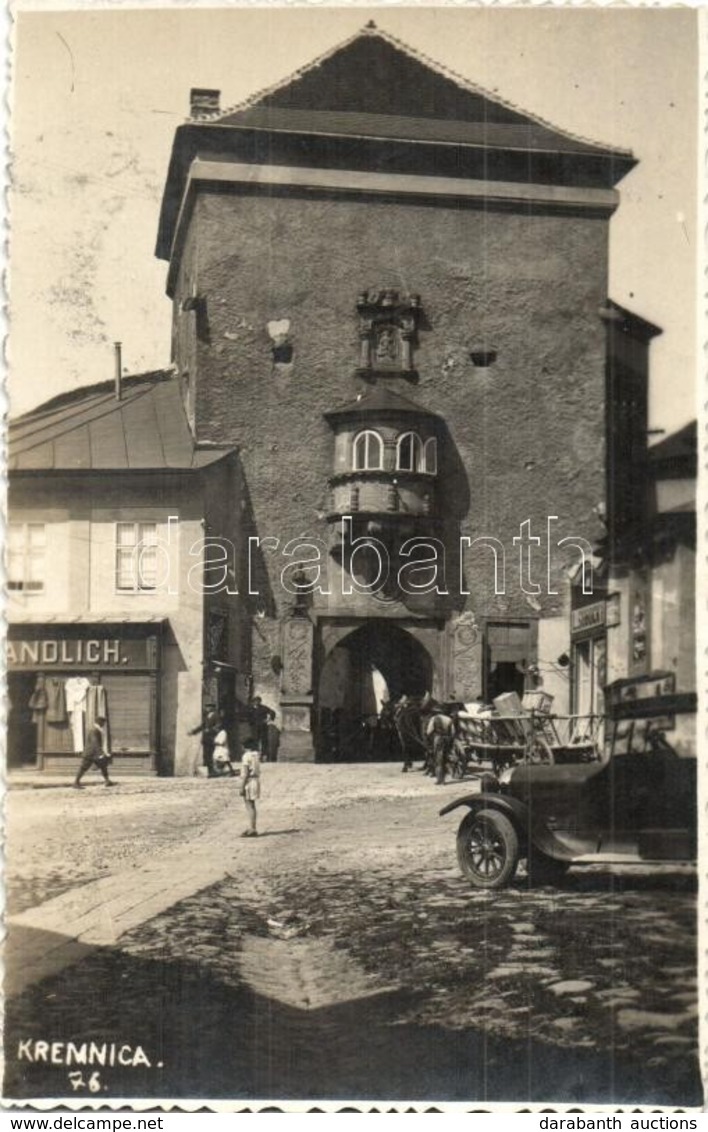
[(415, 455), (368, 452), (408, 452), (430, 457)]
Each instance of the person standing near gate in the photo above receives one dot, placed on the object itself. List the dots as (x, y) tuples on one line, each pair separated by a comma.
[(250, 787), (221, 759), (440, 731), (208, 730), (259, 716), (401, 722)]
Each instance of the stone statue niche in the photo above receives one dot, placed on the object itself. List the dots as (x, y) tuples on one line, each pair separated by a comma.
[(388, 324)]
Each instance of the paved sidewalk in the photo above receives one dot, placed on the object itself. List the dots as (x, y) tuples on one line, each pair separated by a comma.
[(45, 939)]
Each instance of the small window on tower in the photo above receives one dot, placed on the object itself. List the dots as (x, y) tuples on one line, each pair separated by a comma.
[(430, 457), (368, 451), (408, 452)]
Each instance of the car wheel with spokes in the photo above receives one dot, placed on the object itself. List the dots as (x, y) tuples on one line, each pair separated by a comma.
[(487, 849)]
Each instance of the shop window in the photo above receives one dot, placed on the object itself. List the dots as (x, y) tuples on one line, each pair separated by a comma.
[(136, 557), (408, 452), (430, 457), (26, 557), (589, 669), (368, 451)]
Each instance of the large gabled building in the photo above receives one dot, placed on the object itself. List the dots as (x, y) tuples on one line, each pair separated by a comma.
[(387, 288)]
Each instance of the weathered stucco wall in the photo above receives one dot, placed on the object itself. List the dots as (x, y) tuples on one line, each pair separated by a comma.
[(528, 430), (81, 550)]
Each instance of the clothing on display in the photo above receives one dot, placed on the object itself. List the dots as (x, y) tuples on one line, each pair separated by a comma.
[(56, 700), (73, 703), (97, 708), (76, 690), (38, 700), (95, 704)]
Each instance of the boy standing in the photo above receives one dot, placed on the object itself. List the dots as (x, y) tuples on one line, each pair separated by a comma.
[(250, 788)]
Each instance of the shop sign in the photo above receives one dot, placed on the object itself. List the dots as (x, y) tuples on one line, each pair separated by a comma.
[(588, 618), (80, 652)]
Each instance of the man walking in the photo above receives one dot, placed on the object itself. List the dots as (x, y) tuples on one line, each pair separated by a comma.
[(94, 754), (440, 732)]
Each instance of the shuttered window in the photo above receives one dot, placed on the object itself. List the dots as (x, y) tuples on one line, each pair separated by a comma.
[(509, 641), (129, 704)]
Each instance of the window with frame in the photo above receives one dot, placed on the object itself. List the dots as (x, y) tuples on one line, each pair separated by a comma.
[(589, 673), (26, 557), (368, 451), (408, 452), (136, 557), (429, 462)]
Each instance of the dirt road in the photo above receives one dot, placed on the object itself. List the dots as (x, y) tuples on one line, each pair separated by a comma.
[(341, 954)]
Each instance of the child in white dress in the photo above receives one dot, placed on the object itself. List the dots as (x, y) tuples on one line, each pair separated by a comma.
[(222, 756)]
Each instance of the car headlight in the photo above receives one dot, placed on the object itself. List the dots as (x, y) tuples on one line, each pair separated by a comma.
[(505, 776)]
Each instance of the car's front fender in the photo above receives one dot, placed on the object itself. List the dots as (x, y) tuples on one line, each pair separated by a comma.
[(515, 810), (470, 800)]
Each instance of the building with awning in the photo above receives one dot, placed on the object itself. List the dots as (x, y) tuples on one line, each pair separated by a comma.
[(110, 502)]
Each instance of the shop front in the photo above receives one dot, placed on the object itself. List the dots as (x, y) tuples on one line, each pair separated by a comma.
[(62, 677), (589, 623)]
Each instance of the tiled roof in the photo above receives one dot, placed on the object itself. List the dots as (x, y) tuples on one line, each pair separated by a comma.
[(627, 322), (90, 429), (374, 71), (372, 103), (676, 455), (377, 399), (524, 135)]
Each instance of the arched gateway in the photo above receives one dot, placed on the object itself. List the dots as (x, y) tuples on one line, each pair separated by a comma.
[(364, 673)]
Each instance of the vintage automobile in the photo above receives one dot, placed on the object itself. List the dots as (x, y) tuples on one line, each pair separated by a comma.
[(637, 804)]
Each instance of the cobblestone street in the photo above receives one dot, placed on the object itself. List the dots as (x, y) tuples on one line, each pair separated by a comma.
[(340, 954)]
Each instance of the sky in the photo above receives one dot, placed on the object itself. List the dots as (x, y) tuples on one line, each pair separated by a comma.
[(97, 95)]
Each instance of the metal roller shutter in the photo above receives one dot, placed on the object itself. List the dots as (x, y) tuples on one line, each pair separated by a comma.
[(128, 699)]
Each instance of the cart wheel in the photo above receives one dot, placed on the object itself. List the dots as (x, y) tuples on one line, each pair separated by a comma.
[(487, 849), (540, 753)]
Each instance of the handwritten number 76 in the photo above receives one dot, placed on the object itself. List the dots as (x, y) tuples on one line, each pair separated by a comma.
[(93, 1084)]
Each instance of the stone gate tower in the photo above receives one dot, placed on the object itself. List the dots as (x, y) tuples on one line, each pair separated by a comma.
[(386, 288)]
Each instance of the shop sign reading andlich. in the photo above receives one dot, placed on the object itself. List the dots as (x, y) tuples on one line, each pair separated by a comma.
[(79, 652)]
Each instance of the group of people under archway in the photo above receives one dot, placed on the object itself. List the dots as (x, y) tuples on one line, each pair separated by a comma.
[(411, 727), (428, 730)]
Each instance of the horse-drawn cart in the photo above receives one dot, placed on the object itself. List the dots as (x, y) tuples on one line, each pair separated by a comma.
[(501, 741)]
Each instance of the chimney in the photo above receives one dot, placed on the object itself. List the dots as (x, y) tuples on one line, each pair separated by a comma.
[(119, 371), (203, 103)]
